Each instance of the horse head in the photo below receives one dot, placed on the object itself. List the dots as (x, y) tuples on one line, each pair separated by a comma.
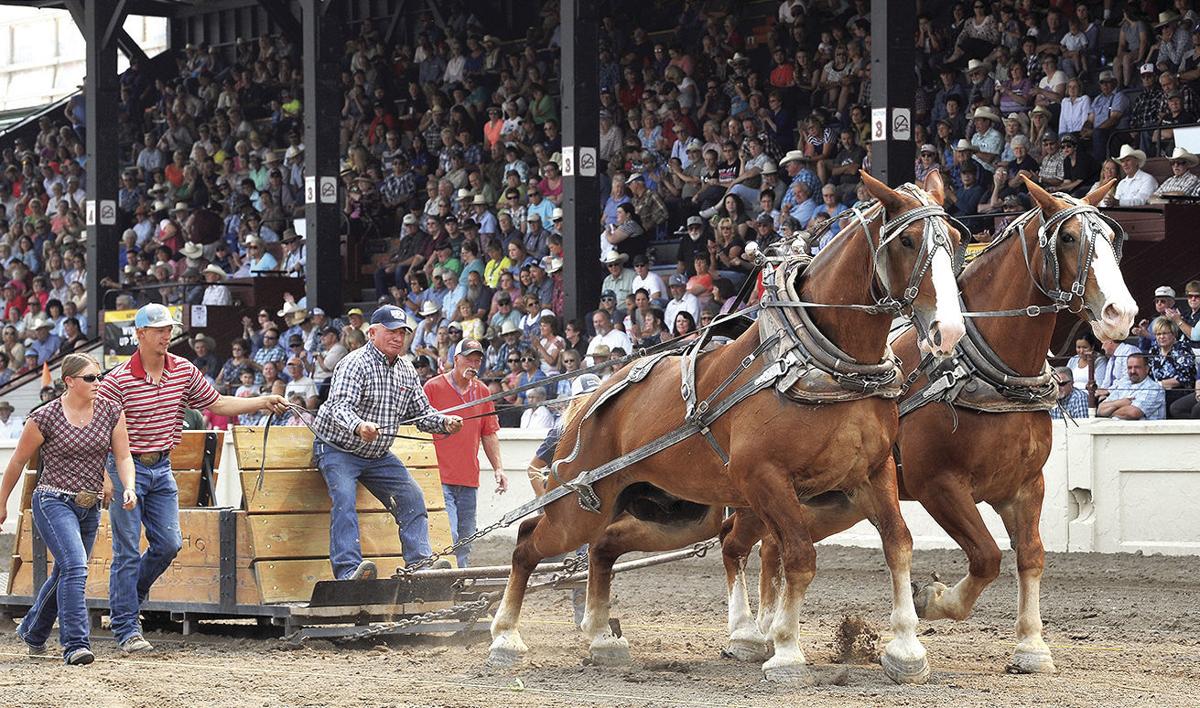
[(1080, 247), (914, 258)]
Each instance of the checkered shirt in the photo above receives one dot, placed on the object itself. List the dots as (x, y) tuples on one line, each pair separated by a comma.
[(367, 388)]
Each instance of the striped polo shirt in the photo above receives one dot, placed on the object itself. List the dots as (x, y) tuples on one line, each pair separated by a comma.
[(154, 411)]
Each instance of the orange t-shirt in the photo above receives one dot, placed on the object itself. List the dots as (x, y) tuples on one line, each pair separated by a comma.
[(458, 454)]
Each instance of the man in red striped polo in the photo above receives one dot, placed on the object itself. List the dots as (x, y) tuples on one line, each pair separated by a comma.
[(153, 388)]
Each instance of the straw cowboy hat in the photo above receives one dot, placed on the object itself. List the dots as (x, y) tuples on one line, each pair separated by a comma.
[(509, 328), (612, 257), (977, 65), (429, 307), (215, 270), (288, 309), (1181, 154), (1128, 151), (964, 144), (793, 156), (986, 112), (192, 250), (1166, 18)]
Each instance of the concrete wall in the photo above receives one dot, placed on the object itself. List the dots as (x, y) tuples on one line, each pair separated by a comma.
[(1111, 487)]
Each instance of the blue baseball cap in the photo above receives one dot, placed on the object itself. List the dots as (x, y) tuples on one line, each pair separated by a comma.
[(391, 317), (467, 347), (154, 315)]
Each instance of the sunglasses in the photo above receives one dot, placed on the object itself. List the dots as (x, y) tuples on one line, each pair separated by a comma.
[(527, 358), (270, 339), (513, 361), (91, 378)]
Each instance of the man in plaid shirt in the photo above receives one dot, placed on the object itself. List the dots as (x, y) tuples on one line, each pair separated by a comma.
[(373, 391), (1070, 399)]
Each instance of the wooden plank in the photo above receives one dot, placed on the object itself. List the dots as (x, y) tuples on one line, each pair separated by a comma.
[(287, 536), (180, 583), (293, 580), (304, 491), (290, 447), (13, 569), (189, 453), (200, 529), (28, 482), (187, 480)]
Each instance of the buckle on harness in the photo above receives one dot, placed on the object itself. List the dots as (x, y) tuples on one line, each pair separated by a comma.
[(1078, 288), (910, 293), (1033, 311)]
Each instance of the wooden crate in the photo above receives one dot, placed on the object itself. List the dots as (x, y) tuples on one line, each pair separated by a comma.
[(288, 518), (180, 583)]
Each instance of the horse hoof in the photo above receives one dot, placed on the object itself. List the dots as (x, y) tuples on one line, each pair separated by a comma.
[(506, 652), (613, 651), (905, 671), (1032, 661), (747, 650), (789, 674), (926, 596)]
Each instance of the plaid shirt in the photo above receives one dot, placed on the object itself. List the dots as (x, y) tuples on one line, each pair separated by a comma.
[(366, 388), (651, 209), (1076, 405), (1146, 107), (398, 189)]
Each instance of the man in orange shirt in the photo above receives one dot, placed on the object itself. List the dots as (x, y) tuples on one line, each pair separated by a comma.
[(458, 454)]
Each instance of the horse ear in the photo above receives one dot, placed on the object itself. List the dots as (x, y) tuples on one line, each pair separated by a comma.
[(935, 187), (1097, 195), (1044, 199), (888, 197)]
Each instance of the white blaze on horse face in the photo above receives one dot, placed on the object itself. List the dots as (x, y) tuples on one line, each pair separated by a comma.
[(948, 318), (1113, 306)]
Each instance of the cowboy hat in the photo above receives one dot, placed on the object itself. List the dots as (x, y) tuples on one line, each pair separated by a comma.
[(1128, 151), (1181, 154), (1165, 18), (192, 250), (288, 309), (986, 112), (551, 264), (215, 270), (612, 257), (977, 65), (509, 328), (429, 307), (793, 156), (964, 144), (478, 199), (181, 206)]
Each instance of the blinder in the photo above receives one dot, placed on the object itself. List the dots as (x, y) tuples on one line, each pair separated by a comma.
[(935, 237), (1091, 222)]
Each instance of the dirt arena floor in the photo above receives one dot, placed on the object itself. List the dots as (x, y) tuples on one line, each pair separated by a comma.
[(1125, 630)]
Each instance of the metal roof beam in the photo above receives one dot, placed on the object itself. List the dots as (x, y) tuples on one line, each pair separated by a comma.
[(281, 14)]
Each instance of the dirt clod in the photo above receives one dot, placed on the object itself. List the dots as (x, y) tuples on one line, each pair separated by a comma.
[(855, 641)]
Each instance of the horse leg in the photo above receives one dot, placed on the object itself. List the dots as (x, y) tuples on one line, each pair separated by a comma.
[(904, 659), (953, 507), (538, 538), (1021, 517), (624, 535), (747, 640), (773, 498)]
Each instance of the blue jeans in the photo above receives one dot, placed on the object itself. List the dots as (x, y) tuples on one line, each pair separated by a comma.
[(133, 572), (460, 507), (69, 532), (387, 479)]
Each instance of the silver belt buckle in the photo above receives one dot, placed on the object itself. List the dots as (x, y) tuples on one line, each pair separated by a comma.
[(86, 499)]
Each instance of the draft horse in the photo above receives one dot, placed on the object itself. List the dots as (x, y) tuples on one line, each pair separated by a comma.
[(1062, 255), (765, 452)]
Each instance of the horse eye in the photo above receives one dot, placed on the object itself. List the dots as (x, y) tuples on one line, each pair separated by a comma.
[(1067, 238), (906, 241)]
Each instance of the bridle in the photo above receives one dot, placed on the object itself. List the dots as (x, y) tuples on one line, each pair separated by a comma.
[(1091, 227)]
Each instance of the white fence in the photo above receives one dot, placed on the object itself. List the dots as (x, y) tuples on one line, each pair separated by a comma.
[(1111, 487)]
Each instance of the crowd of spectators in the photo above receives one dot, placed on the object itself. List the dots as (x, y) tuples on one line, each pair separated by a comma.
[(720, 124)]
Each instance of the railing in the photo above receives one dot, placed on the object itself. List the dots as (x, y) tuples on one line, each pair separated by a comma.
[(22, 379), (1121, 135)]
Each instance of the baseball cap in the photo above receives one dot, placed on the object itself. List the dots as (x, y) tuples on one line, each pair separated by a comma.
[(763, 218), (391, 317), (609, 293), (1146, 69), (468, 347), (585, 383), (677, 279), (156, 315), (695, 221), (354, 311), (409, 219), (1165, 291)]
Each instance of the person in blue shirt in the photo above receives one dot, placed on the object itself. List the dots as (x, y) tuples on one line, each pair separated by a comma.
[(965, 200), (1140, 398)]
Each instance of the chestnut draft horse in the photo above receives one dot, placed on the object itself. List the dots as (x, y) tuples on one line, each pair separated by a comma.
[(779, 452), (953, 459)]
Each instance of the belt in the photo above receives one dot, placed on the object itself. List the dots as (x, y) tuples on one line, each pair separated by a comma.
[(84, 499), (151, 458)]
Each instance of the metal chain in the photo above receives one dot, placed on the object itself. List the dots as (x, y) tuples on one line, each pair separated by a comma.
[(448, 550), (471, 612)]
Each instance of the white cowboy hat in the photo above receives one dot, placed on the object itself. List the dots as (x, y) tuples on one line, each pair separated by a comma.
[(1166, 18), (964, 144), (977, 64), (1128, 151), (508, 328), (288, 309), (793, 156), (478, 199), (986, 112), (613, 257), (215, 269), (551, 264), (192, 250), (1181, 154), (429, 307), (181, 206)]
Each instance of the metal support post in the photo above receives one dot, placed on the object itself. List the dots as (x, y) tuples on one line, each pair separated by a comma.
[(893, 85), (324, 40), (581, 136)]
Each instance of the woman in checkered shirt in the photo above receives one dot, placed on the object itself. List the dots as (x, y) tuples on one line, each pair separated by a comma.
[(74, 435)]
